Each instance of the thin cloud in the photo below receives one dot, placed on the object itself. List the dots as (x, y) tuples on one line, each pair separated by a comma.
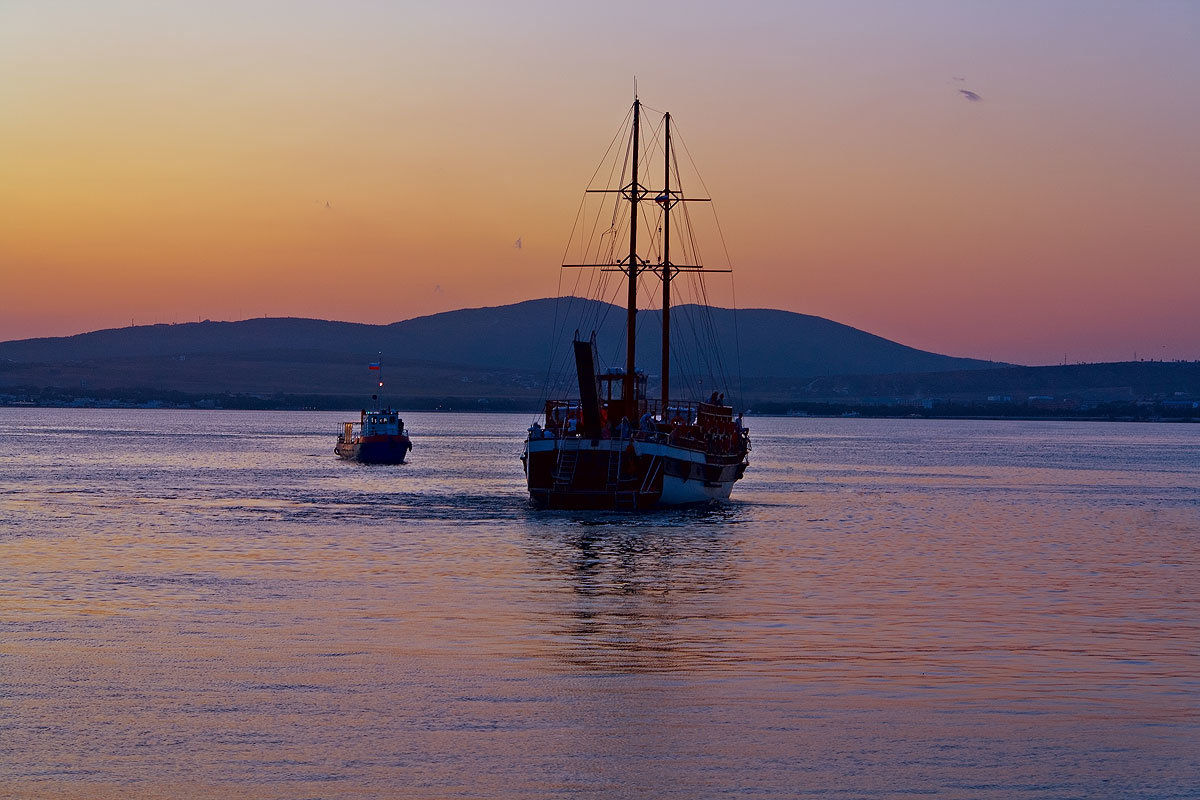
[(967, 93)]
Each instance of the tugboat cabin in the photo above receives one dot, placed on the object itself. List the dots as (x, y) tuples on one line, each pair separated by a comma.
[(381, 423), (377, 438)]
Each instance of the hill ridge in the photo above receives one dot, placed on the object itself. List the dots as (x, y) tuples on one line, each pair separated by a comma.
[(519, 335)]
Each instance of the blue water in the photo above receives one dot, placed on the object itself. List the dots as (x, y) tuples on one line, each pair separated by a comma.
[(210, 604)]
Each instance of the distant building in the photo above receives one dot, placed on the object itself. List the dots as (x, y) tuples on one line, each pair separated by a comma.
[(905, 402), (1048, 402)]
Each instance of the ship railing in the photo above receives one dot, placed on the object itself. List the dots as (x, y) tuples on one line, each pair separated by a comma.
[(559, 412), (688, 412), (710, 416), (698, 426), (349, 431), (714, 443), (678, 412)]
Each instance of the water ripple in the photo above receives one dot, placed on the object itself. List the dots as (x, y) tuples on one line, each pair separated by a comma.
[(210, 604)]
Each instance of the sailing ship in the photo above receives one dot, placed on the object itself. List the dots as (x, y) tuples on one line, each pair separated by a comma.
[(614, 447), (379, 437)]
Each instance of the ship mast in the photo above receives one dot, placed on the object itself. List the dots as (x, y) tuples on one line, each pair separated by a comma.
[(627, 391), (633, 265), (666, 271), (379, 388)]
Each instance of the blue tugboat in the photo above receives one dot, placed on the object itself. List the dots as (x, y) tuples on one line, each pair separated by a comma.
[(378, 437)]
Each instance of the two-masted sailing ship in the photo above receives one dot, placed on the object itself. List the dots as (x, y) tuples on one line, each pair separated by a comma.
[(614, 447)]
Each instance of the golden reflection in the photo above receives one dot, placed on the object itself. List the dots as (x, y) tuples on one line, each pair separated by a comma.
[(625, 595)]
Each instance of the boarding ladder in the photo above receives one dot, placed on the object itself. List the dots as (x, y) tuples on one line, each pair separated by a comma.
[(625, 501), (614, 469), (568, 460)]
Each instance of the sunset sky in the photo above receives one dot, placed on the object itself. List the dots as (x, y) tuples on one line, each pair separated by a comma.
[(164, 162)]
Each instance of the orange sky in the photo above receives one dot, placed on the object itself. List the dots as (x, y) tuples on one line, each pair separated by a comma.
[(168, 162)]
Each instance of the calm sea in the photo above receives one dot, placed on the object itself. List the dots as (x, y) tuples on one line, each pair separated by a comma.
[(211, 604)]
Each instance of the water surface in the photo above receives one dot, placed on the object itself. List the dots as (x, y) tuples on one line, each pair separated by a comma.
[(211, 604)]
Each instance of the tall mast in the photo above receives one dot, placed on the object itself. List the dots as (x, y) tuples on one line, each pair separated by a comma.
[(379, 388), (628, 390), (666, 271)]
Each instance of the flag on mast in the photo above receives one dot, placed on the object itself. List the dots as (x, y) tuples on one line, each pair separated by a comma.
[(373, 365)]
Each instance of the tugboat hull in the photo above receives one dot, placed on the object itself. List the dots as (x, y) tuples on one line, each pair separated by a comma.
[(376, 450)]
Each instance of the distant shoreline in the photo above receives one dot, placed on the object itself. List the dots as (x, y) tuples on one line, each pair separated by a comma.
[(460, 406)]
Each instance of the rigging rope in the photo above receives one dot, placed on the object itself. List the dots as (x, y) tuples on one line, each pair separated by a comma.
[(698, 352)]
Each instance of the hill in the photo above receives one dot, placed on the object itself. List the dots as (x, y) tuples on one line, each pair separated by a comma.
[(500, 351)]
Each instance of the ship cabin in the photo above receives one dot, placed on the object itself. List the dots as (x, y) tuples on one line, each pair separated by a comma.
[(373, 423), (382, 423), (702, 426), (610, 385)]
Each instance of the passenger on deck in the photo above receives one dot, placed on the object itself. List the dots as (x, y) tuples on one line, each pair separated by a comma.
[(572, 426), (646, 423), (535, 431), (713, 399), (625, 427)]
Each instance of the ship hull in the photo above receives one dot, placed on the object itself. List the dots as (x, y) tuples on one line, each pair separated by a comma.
[(680, 492), (375, 449), (625, 475)]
